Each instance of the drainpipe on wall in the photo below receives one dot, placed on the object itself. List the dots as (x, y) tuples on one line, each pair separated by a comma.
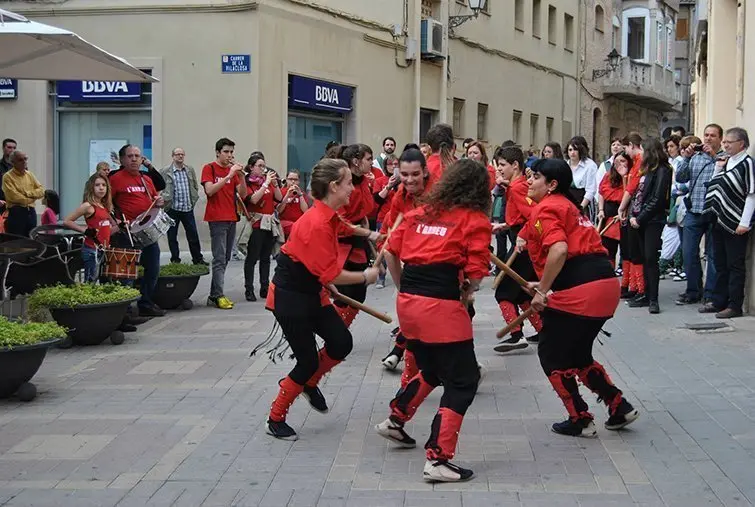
[(417, 67), (578, 72), (445, 82)]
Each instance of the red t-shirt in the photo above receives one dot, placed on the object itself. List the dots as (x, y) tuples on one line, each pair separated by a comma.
[(314, 242), (557, 219), (129, 193), (518, 205), (265, 206), (292, 212), (382, 209), (458, 236), (491, 174), (633, 178), (221, 206), (435, 166), (361, 202), (99, 220), (609, 193)]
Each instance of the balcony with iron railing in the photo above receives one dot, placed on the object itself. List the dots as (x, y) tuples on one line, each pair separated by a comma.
[(648, 85)]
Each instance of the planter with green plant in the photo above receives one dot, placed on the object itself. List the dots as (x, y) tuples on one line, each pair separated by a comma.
[(23, 347), (176, 284), (91, 313)]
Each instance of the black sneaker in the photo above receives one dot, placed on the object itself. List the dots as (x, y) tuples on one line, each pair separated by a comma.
[(280, 430), (175, 261), (263, 291), (395, 331), (629, 294), (534, 339), (250, 295), (578, 428), (316, 399), (640, 301), (684, 299), (445, 471), (151, 311), (126, 328), (624, 415), (653, 307)]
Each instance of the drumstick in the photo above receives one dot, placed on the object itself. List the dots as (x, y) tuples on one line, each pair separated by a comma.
[(128, 229), (381, 255), (359, 306), (513, 274), (240, 203), (515, 323), (502, 274), (613, 221)]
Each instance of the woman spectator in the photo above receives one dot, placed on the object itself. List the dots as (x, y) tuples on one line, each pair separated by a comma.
[(605, 167), (553, 150), (294, 202), (673, 151), (476, 152), (383, 190), (584, 171), (648, 216), (610, 192), (731, 199)]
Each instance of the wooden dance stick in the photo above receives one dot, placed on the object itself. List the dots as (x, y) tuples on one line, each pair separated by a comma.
[(359, 306), (510, 272), (381, 255), (599, 224), (613, 221), (502, 274), (515, 323)]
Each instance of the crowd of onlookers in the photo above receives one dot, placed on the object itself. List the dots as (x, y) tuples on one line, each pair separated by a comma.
[(655, 203)]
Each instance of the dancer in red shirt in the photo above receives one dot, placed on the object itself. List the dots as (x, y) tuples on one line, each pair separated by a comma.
[(610, 193), (416, 181), (440, 137), (354, 233), (443, 246), (577, 293), (299, 300), (509, 294)]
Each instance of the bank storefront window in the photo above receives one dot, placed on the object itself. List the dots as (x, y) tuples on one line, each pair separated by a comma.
[(317, 111), (94, 119)]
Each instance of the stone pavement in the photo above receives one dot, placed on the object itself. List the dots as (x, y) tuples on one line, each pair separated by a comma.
[(175, 417)]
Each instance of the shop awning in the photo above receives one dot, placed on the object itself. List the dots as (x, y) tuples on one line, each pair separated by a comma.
[(32, 50)]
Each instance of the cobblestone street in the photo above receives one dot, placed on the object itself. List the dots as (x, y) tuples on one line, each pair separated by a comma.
[(175, 415)]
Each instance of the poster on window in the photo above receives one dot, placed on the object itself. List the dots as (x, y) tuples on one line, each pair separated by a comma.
[(104, 150)]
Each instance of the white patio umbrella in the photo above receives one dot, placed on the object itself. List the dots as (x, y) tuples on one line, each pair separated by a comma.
[(31, 50)]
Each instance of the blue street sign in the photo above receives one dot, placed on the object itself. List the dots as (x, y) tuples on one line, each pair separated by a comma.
[(236, 64)]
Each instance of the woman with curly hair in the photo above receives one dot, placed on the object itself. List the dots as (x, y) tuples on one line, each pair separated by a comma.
[(443, 246)]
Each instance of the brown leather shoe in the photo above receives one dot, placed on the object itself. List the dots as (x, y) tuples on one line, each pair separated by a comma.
[(729, 313), (708, 308)]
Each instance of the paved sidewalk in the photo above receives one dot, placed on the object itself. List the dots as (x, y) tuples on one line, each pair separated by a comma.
[(175, 417)]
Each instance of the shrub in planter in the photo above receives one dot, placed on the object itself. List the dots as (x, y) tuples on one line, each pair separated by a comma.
[(176, 283), (91, 313), (23, 347)]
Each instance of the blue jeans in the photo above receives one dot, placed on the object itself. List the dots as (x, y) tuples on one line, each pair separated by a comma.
[(91, 266), (695, 227), (150, 259)]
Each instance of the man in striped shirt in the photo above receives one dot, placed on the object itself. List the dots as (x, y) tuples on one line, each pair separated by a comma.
[(731, 201), (695, 171)]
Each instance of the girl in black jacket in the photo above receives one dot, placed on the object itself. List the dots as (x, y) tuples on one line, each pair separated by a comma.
[(648, 214)]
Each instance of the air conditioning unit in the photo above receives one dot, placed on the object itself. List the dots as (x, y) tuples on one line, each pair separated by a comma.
[(432, 39)]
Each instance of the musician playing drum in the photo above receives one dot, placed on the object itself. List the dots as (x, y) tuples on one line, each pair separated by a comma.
[(133, 195)]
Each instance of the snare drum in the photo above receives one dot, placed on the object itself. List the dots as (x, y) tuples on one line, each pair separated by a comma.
[(148, 228), (122, 263)]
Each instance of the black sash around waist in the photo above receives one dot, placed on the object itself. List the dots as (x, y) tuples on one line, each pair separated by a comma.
[(439, 281), (611, 209), (583, 269), (294, 276)]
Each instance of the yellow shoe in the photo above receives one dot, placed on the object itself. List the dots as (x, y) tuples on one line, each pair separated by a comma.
[(221, 302)]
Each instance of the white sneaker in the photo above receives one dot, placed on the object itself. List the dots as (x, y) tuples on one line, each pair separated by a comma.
[(380, 285), (391, 361), (445, 471), (395, 433)]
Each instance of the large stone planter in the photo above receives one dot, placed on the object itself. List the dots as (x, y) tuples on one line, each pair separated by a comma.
[(92, 324), (17, 367), (174, 292)]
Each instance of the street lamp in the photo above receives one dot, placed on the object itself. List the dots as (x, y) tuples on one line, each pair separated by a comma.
[(475, 5), (613, 63)]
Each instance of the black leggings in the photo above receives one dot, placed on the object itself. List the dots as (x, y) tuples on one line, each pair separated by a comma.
[(566, 340), (612, 246), (300, 328), (259, 248), (651, 245)]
